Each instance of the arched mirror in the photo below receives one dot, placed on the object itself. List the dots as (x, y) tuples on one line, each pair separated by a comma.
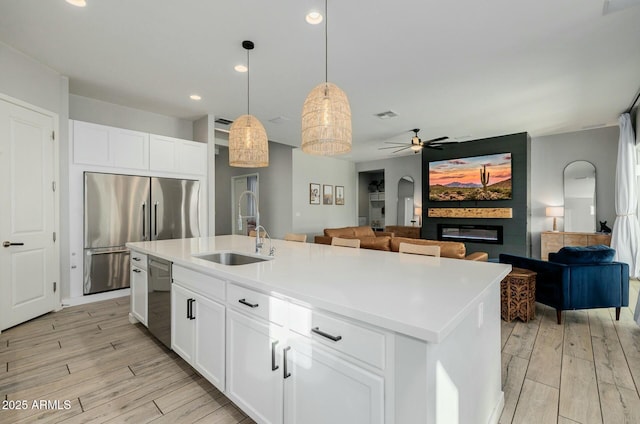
[(580, 197), (405, 200)]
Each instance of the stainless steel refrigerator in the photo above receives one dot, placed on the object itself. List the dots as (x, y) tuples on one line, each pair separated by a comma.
[(123, 208)]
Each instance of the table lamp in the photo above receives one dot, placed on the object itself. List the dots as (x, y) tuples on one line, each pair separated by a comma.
[(418, 213), (555, 212)]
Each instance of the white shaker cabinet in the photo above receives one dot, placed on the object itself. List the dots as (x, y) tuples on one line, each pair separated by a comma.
[(279, 370), (168, 154), (139, 286), (182, 331), (101, 145), (322, 388), (198, 333), (130, 149), (254, 366)]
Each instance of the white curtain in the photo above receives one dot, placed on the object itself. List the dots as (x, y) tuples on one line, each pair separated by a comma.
[(626, 231)]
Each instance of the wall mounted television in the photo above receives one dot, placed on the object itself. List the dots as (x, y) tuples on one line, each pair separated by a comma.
[(486, 177)]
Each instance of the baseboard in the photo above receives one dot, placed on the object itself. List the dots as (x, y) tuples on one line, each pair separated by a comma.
[(74, 301)]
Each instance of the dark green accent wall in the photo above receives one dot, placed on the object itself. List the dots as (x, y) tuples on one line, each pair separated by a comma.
[(516, 230)]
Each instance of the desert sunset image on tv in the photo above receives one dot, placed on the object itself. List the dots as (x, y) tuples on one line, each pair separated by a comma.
[(474, 178)]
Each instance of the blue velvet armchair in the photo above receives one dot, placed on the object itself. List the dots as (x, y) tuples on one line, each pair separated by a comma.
[(578, 278)]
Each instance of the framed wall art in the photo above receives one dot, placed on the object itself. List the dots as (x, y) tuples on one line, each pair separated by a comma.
[(314, 194), (339, 195), (327, 194)]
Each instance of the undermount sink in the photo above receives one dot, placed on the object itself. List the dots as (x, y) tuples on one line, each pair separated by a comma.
[(230, 258)]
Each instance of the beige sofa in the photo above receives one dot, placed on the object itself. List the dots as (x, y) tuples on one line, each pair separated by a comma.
[(383, 240)]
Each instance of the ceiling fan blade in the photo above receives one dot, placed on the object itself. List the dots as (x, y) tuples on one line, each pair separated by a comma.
[(435, 140), (390, 147), (394, 142), (431, 146), (404, 148)]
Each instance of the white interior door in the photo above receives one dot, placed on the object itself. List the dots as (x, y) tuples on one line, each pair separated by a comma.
[(29, 259)]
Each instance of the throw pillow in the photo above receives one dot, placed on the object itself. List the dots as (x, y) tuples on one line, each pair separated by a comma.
[(597, 254)]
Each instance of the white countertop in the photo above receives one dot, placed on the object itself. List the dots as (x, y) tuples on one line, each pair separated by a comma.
[(422, 297)]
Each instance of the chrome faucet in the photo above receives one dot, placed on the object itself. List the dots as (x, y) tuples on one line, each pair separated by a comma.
[(259, 241)]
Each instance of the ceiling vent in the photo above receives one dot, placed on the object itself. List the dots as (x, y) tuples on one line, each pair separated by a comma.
[(223, 121), (386, 115), (279, 120)]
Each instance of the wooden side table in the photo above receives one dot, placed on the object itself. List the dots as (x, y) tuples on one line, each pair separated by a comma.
[(518, 295)]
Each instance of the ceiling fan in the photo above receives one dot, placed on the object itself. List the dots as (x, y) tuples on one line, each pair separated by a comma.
[(416, 143)]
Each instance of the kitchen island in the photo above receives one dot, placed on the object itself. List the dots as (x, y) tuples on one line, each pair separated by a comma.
[(329, 334)]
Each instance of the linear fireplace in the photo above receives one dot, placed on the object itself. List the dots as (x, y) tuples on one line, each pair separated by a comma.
[(491, 234)]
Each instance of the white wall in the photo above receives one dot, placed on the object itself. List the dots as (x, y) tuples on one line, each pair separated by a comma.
[(313, 219), (549, 156), (25, 79), (204, 132), (99, 112), (394, 170)]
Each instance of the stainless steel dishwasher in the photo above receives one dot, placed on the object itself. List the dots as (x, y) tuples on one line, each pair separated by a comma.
[(159, 299)]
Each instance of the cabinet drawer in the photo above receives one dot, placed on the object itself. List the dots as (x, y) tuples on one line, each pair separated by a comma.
[(355, 340), (575, 239), (138, 260), (258, 304), (201, 283), (600, 239)]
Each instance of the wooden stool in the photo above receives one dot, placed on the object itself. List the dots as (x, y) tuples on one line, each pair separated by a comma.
[(518, 295)]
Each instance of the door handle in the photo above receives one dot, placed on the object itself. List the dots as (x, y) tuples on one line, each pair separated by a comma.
[(273, 356), (8, 243), (190, 303), (155, 221), (286, 373), (136, 271), (144, 221)]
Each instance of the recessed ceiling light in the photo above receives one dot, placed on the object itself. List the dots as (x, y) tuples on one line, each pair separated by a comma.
[(79, 3), (314, 17), (241, 68), (195, 97)]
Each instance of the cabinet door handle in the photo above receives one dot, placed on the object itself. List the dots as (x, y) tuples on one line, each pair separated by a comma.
[(251, 305), (285, 370), (135, 258), (273, 356), (191, 311), (188, 308), (326, 335), (137, 271)]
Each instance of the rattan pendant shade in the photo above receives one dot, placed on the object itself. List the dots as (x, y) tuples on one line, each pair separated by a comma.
[(326, 121), (248, 143), (326, 115)]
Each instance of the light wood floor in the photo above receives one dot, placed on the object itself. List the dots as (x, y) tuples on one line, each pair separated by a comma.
[(584, 371), (109, 370)]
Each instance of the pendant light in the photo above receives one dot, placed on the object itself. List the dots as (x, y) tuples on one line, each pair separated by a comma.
[(326, 115), (248, 143)]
